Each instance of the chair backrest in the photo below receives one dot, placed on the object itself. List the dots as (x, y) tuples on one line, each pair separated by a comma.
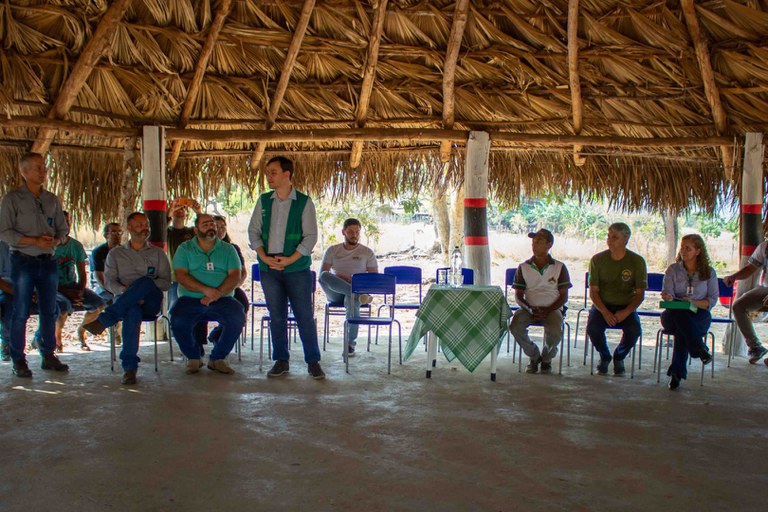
[(255, 277), (468, 273), (509, 280), (374, 284), (586, 288), (406, 275), (725, 292), (655, 282)]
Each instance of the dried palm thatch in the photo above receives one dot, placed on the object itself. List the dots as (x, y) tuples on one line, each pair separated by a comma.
[(81, 78)]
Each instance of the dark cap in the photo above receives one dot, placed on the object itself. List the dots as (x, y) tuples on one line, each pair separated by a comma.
[(545, 234)]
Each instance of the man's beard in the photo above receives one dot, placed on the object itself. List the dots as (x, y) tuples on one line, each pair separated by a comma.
[(210, 235)]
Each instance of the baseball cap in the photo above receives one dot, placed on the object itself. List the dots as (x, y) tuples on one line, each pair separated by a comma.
[(545, 234)]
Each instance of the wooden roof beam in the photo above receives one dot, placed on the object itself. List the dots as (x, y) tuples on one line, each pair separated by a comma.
[(449, 72), (369, 77), (577, 106), (701, 48), (81, 70), (285, 77), (197, 79)]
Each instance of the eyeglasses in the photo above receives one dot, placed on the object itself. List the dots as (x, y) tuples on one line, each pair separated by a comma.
[(115, 233)]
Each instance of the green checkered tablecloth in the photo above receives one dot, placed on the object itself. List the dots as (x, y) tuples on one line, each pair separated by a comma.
[(469, 322)]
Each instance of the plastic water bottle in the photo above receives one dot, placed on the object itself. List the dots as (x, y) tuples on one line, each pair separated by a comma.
[(456, 265)]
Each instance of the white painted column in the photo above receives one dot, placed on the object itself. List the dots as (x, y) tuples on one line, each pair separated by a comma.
[(477, 255)]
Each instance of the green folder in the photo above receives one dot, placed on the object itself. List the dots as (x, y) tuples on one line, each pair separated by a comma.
[(678, 304)]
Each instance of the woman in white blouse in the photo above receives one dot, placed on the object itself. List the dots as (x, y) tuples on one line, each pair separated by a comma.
[(690, 279)]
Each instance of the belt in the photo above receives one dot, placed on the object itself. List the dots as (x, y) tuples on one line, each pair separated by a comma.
[(29, 257)]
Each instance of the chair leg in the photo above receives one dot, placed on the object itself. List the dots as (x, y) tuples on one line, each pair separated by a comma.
[(640, 353), (155, 340), (632, 370), (345, 347), (112, 351)]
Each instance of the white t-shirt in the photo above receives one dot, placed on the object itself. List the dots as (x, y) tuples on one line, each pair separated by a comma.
[(758, 259), (356, 261)]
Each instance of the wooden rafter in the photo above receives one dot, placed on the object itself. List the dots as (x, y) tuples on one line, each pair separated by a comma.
[(81, 70), (708, 78), (197, 78), (449, 72), (285, 77), (369, 76), (577, 106)]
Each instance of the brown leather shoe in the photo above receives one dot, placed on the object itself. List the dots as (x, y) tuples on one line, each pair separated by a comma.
[(94, 327), (315, 371), (221, 366), (129, 378), (21, 369)]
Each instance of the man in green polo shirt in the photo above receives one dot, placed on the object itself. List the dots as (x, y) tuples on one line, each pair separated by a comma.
[(208, 271), (617, 282)]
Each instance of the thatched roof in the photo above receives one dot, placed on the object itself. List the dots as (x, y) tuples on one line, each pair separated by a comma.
[(646, 101)]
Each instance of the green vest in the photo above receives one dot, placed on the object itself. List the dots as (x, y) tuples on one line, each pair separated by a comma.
[(293, 233)]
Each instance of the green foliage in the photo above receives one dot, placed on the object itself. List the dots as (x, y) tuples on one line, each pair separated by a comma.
[(331, 217), (559, 215), (410, 205), (712, 226), (235, 200)]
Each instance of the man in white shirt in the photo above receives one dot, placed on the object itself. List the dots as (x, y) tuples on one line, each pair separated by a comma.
[(340, 262), (753, 300), (541, 289)]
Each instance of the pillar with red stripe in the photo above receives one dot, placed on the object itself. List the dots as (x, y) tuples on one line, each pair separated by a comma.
[(153, 190), (477, 255)]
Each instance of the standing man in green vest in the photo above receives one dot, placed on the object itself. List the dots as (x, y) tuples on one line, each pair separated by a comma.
[(283, 231)]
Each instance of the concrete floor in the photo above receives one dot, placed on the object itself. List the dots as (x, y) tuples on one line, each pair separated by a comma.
[(371, 441)]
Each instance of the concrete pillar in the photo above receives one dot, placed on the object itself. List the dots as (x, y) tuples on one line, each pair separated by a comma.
[(477, 254), (153, 194), (154, 191), (751, 223)]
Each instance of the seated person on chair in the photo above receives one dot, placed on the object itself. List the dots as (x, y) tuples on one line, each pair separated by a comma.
[(617, 282), (754, 300), (690, 279), (113, 232), (541, 289), (6, 301), (137, 273), (208, 271), (340, 262), (70, 263)]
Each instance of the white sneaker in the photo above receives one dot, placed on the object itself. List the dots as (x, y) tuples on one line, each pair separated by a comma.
[(193, 366)]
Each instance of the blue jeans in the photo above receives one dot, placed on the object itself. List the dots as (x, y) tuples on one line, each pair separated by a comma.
[(6, 315), (242, 298), (630, 327), (126, 307), (688, 330), (91, 300), (189, 311), (280, 287), (27, 275), (338, 290)]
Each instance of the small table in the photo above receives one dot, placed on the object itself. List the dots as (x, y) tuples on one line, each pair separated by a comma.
[(469, 321)]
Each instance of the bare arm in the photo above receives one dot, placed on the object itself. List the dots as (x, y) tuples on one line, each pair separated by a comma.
[(741, 274)]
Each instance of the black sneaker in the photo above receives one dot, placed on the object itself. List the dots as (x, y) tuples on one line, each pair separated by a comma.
[(279, 369), (129, 378), (618, 368), (5, 354), (674, 381), (546, 367), (756, 353), (315, 371), (705, 356), (95, 327), (21, 369), (533, 367), (350, 352), (51, 362), (602, 366)]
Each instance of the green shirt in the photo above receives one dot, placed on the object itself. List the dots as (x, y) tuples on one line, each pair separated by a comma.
[(210, 268), (67, 256), (618, 280)]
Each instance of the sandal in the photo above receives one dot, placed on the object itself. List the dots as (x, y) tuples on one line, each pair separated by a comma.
[(84, 347)]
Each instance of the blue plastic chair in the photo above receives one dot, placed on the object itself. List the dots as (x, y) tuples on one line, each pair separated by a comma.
[(509, 280), (468, 273), (255, 278), (375, 284)]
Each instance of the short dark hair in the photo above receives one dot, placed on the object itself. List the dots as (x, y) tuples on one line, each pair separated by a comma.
[(197, 218), (351, 222), (218, 218), (286, 164), (134, 215), (26, 157), (108, 225)]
